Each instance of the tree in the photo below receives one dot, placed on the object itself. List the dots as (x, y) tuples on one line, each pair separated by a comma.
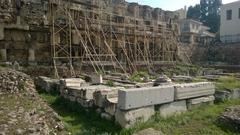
[(194, 12), (208, 12)]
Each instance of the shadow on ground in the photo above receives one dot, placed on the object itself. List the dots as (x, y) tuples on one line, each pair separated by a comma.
[(79, 120)]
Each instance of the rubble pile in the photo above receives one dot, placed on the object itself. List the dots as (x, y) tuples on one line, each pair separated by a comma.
[(13, 81), (22, 111), (231, 116)]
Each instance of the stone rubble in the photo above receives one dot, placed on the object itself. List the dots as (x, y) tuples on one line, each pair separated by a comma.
[(231, 116), (22, 111)]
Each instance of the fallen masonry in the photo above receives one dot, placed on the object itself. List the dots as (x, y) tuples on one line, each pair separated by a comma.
[(130, 105), (231, 116)]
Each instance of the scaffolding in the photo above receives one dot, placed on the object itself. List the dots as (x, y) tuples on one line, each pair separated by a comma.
[(92, 36)]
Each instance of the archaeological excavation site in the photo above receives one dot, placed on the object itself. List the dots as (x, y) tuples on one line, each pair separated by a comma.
[(119, 67)]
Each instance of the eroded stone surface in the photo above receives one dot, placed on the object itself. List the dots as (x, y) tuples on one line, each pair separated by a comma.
[(231, 116), (130, 117), (173, 108)]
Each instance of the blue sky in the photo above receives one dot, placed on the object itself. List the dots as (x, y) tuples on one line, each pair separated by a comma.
[(171, 4)]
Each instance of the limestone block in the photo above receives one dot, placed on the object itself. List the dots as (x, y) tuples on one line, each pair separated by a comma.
[(201, 100), (235, 93), (100, 97), (86, 92), (192, 90), (173, 108), (141, 97), (192, 103), (96, 79), (31, 55), (47, 84), (1, 32), (72, 82), (85, 103), (128, 118), (3, 54), (222, 95), (110, 106), (106, 116)]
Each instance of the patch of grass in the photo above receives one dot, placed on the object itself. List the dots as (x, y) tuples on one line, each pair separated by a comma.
[(139, 76), (79, 120), (200, 121), (110, 83), (227, 82), (182, 69)]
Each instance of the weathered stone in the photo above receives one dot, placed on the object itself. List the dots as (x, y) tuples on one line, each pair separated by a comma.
[(235, 93), (96, 79), (192, 90), (101, 96), (20, 132), (231, 116), (162, 80), (3, 54), (192, 103), (1, 32), (149, 131), (222, 95), (173, 108), (16, 65), (86, 92), (70, 82), (182, 78), (130, 117), (106, 116), (47, 84), (85, 103), (111, 105), (141, 97), (2, 133)]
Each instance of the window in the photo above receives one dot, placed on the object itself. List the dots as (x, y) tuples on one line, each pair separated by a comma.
[(229, 14), (239, 13)]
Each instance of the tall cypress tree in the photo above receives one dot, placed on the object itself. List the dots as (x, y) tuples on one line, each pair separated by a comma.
[(208, 13)]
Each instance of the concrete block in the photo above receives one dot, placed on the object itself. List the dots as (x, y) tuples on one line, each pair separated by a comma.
[(192, 90), (196, 102), (128, 118), (173, 108), (141, 97)]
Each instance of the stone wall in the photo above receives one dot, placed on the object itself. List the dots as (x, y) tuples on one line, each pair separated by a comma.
[(25, 26)]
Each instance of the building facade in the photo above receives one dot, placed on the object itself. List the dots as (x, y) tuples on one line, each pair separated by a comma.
[(194, 32), (230, 23)]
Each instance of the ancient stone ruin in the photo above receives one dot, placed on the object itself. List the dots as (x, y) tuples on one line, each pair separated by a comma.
[(129, 105), (94, 33)]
